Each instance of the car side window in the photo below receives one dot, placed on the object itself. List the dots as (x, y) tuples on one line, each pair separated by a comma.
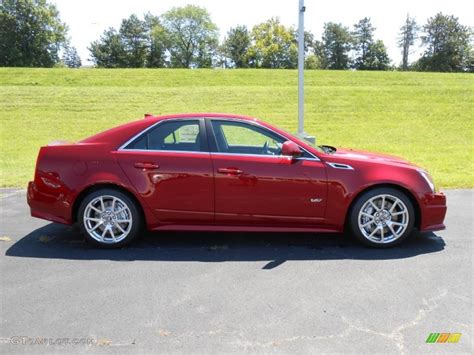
[(179, 135), (242, 138), (184, 134)]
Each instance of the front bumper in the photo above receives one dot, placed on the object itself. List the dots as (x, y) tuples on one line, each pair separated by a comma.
[(433, 211)]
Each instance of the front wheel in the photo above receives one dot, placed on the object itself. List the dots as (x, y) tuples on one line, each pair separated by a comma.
[(109, 218), (382, 217)]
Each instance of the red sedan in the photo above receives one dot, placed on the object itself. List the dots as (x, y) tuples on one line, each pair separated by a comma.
[(220, 172)]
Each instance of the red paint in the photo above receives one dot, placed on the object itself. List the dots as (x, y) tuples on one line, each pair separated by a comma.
[(180, 191), (216, 191), (270, 191)]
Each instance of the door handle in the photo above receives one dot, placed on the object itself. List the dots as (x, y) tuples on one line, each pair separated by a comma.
[(146, 166), (229, 171)]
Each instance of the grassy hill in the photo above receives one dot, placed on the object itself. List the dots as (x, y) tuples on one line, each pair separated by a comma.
[(424, 117)]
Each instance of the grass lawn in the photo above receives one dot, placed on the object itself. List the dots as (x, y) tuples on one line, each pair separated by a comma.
[(424, 117)]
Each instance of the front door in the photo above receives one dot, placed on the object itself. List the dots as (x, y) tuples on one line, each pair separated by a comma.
[(255, 185)]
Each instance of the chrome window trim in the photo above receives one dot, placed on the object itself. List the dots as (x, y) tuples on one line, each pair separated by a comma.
[(216, 153), (236, 119), (250, 155), (309, 159), (165, 151), (262, 156)]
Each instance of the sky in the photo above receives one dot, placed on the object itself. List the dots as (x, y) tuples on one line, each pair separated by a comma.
[(87, 19)]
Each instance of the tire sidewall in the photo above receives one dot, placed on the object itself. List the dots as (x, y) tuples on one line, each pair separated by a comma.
[(136, 218), (354, 216)]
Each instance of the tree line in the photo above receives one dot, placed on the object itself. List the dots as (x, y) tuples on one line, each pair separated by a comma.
[(32, 34)]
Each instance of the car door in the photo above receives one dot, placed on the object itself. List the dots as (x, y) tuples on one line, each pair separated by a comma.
[(170, 167), (255, 185)]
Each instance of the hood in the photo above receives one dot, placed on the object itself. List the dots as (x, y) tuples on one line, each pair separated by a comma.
[(59, 142), (352, 154)]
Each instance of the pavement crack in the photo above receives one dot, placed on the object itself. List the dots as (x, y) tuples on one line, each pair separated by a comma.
[(246, 344), (396, 335)]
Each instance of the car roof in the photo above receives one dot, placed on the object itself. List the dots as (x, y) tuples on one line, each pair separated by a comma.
[(119, 133), (200, 115)]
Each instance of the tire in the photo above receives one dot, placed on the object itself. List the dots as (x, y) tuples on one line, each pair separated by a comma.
[(382, 227), (109, 219)]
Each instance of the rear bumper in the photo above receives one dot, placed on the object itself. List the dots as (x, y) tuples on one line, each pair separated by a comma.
[(50, 206), (433, 212)]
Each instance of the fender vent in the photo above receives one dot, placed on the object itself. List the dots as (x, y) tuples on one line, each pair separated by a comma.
[(340, 166)]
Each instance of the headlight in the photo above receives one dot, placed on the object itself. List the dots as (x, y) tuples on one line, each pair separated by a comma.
[(428, 179)]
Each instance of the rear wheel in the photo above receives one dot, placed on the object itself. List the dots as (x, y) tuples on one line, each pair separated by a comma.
[(109, 218), (382, 217)]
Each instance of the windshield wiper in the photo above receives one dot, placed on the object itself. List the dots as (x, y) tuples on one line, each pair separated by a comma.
[(328, 149)]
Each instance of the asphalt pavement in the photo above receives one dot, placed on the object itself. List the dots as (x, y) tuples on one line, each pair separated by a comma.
[(233, 292)]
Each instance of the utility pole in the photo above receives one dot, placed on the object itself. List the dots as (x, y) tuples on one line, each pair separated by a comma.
[(301, 132)]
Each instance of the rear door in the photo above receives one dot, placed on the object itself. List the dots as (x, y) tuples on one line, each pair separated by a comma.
[(170, 167)]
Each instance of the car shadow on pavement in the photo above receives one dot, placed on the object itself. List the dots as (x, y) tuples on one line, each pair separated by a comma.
[(55, 241)]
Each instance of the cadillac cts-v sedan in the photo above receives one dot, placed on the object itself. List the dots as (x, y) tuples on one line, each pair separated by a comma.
[(221, 172)]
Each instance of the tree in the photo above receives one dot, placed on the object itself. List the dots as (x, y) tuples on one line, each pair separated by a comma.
[(71, 58), (274, 46), (222, 58), (157, 42), (137, 44), (470, 62), (377, 57), (236, 46), (31, 33), (133, 35), (312, 61), (336, 45), (309, 42), (447, 45), (370, 54), (363, 38), (408, 34), (108, 51), (192, 36)]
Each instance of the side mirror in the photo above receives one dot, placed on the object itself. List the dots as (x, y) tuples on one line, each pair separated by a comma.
[(291, 149)]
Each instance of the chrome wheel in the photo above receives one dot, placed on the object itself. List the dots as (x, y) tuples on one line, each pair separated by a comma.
[(107, 219), (383, 219)]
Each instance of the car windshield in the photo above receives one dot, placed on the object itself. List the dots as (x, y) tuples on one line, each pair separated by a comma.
[(319, 148)]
